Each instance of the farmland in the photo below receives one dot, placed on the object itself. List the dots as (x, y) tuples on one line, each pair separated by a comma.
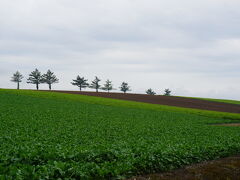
[(195, 103), (222, 100), (52, 135)]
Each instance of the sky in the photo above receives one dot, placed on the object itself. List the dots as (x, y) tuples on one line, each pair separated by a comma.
[(191, 47)]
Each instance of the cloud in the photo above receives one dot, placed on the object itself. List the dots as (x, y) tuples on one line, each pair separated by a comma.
[(191, 47)]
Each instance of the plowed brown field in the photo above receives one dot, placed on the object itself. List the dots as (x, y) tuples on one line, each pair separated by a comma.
[(222, 169), (166, 100)]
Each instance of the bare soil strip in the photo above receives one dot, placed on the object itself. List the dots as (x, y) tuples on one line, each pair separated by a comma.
[(166, 100), (222, 169)]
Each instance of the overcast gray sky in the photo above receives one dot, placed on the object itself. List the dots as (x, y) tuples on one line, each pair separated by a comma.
[(189, 46)]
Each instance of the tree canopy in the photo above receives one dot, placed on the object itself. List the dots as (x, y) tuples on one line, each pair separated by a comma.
[(167, 92), (17, 77), (107, 86), (124, 87), (150, 92), (35, 77), (95, 84), (81, 82), (49, 78)]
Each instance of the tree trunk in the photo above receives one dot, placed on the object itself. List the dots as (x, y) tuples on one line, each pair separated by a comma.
[(37, 86), (108, 90), (50, 87), (80, 88), (96, 90), (17, 85)]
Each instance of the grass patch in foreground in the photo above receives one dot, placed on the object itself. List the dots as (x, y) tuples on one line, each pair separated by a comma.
[(53, 135)]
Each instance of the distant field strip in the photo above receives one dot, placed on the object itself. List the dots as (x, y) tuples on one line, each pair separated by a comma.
[(125, 103), (221, 100), (194, 103), (46, 135)]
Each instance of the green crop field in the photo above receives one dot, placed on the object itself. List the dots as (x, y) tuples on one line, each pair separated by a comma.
[(47, 135)]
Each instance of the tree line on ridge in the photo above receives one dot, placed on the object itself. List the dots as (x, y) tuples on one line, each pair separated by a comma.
[(35, 77)]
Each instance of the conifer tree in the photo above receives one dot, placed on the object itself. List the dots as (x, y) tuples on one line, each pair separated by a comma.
[(124, 87), (49, 78), (81, 82), (17, 77), (35, 77), (150, 92), (108, 86), (167, 92), (95, 84)]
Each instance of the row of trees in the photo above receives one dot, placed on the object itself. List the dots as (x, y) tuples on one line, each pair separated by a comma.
[(167, 92), (35, 77), (82, 83)]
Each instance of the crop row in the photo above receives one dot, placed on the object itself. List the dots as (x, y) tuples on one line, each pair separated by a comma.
[(48, 138)]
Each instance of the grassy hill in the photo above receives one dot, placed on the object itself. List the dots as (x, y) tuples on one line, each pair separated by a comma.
[(52, 135)]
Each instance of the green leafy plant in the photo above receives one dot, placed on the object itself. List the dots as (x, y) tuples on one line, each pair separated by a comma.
[(47, 135)]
